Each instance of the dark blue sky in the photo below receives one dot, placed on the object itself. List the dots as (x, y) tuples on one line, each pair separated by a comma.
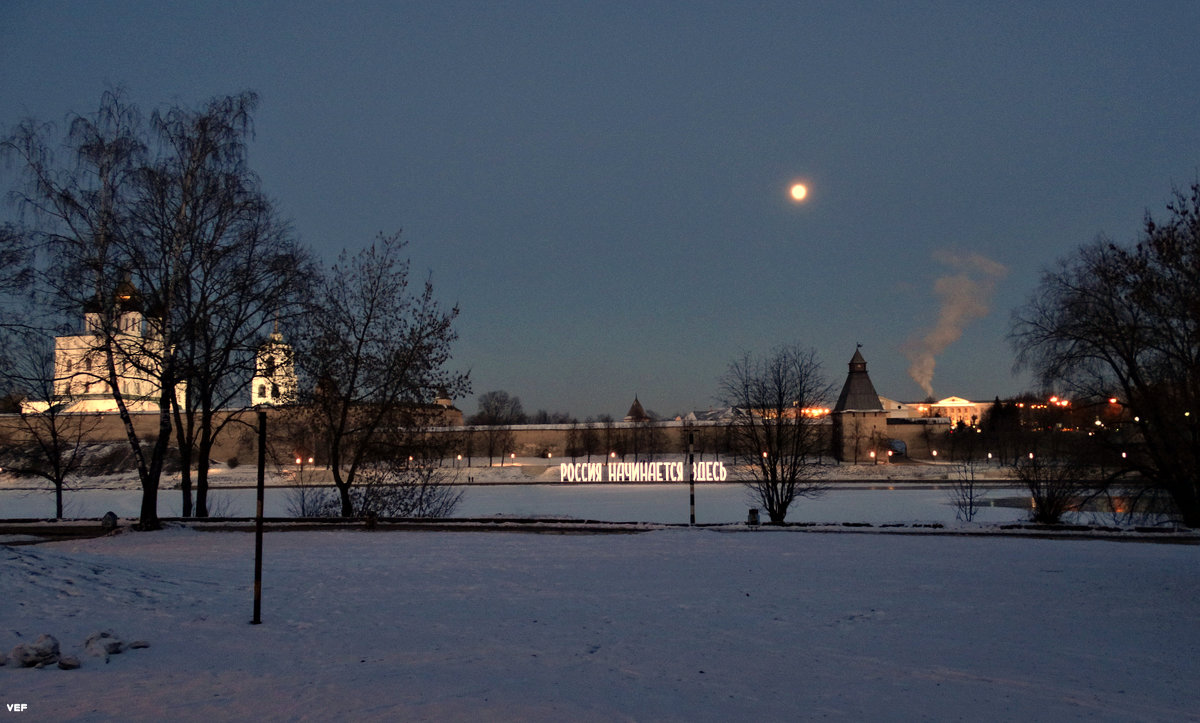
[(602, 187)]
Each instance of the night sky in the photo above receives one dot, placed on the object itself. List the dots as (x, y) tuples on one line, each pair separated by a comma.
[(603, 187)]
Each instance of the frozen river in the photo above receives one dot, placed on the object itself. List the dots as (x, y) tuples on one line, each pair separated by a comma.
[(667, 503)]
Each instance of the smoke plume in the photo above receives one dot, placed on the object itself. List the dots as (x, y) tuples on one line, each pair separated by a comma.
[(963, 296)]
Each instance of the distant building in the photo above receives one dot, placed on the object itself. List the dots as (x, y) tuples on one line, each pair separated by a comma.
[(81, 363), (859, 419), (274, 380), (957, 410), (724, 414)]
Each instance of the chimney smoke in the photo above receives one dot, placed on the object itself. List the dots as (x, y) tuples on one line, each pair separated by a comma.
[(963, 297)]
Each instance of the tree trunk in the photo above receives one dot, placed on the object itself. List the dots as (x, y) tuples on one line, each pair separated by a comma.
[(205, 451), (185, 459), (148, 519)]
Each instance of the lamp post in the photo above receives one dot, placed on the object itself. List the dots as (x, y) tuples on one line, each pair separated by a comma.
[(258, 517), (691, 477)]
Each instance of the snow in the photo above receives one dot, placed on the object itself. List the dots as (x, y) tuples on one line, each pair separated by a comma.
[(531, 487), (525, 470), (715, 503), (681, 624)]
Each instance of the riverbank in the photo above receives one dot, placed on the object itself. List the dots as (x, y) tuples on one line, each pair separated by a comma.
[(520, 471)]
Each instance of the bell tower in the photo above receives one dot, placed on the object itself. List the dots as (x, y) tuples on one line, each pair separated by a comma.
[(274, 380)]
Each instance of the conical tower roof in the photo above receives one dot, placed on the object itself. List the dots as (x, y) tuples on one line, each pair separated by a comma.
[(858, 393), (636, 412)]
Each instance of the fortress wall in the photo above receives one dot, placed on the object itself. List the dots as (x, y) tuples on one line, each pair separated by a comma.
[(240, 439)]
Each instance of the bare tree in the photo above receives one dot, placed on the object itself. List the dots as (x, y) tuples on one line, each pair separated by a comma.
[(394, 489), (966, 492), (306, 498), (374, 353), (1123, 322), (589, 440), (236, 268), (1057, 484), (498, 407), (56, 441), (16, 275), (542, 416), (83, 211), (857, 433), (645, 438), (162, 235), (771, 437), (498, 412)]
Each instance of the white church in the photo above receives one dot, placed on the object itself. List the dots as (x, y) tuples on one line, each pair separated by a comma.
[(81, 365), (81, 377)]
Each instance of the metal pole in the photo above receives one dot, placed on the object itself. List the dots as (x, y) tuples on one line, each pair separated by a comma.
[(691, 478), (258, 522)]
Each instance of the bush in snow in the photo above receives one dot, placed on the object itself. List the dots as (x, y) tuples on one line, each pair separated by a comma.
[(386, 489)]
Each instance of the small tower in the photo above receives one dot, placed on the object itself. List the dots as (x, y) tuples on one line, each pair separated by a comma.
[(274, 380), (636, 412), (859, 420)]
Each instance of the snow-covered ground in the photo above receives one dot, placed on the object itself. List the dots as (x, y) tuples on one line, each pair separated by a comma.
[(685, 624), (715, 503)]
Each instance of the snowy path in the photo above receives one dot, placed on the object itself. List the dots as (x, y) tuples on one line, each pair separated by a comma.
[(667, 625)]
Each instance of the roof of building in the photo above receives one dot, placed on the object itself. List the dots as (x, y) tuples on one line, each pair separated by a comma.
[(709, 415), (858, 393), (953, 402), (126, 297), (636, 412)]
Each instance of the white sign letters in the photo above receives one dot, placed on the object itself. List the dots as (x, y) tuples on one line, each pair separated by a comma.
[(639, 472)]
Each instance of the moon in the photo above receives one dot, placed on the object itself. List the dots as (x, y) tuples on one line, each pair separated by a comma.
[(799, 192)]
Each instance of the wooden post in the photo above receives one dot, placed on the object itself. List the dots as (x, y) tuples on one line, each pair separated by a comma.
[(258, 522), (687, 470)]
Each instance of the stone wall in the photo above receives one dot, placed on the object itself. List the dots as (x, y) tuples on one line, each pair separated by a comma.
[(625, 440)]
